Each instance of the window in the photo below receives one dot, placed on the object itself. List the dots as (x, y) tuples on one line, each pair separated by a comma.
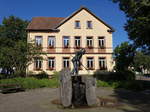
[(89, 24), (90, 41), (65, 62), (77, 24), (77, 41), (90, 63), (51, 41), (38, 63), (51, 63), (66, 41), (102, 63), (101, 42), (38, 40)]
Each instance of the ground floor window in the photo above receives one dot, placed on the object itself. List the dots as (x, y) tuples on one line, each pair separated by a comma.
[(66, 63), (51, 63), (102, 63), (38, 63), (90, 63)]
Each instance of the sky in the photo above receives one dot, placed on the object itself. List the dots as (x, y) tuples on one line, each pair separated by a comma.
[(104, 9)]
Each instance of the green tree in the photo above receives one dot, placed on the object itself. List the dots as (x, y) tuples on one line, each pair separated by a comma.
[(124, 55), (138, 21), (13, 28), (15, 53), (141, 62)]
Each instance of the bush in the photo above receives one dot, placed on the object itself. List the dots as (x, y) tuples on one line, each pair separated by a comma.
[(114, 76), (41, 75), (102, 83), (125, 75), (31, 82), (135, 85)]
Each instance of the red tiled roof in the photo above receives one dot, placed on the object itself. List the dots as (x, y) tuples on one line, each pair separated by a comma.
[(44, 23)]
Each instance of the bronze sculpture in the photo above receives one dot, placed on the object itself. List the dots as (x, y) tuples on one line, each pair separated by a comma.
[(76, 61)]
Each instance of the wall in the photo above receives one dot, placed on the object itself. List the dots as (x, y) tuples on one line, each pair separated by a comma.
[(67, 29)]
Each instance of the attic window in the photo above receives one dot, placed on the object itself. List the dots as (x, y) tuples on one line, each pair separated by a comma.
[(89, 24), (77, 24)]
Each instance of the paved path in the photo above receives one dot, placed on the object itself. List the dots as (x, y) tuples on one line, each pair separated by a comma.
[(39, 100)]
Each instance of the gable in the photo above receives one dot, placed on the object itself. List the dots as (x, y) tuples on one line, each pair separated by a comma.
[(84, 12)]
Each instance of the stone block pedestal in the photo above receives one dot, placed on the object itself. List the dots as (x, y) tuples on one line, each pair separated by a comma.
[(77, 90)]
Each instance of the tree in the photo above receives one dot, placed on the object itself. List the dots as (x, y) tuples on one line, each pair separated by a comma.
[(138, 23), (13, 28), (141, 62), (15, 53), (124, 55)]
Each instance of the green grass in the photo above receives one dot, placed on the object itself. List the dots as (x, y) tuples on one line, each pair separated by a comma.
[(32, 83)]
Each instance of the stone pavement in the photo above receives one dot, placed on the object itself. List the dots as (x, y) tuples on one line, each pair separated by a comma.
[(39, 100)]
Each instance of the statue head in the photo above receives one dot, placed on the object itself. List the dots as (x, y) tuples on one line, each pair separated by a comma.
[(83, 51)]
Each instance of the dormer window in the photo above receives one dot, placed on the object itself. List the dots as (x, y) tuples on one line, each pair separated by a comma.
[(77, 24), (89, 24)]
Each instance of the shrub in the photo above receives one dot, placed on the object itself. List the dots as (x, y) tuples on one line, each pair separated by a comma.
[(102, 83), (114, 76), (31, 82), (41, 75), (103, 75), (125, 75)]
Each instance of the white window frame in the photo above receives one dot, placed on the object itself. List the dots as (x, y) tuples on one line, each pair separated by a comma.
[(51, 41), (51, 62), (102, 62), (77, 41), (66, 39), (90, 62), (38, 40), (89, 41), (66, 62), (38, 63), (101, 42)]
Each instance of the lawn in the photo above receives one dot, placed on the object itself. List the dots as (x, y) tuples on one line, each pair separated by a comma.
[(32, 83)]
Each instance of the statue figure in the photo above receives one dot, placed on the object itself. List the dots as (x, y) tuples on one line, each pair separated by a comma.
[(76, 61)]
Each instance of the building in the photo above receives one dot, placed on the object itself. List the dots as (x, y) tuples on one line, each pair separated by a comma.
[(61, 37)]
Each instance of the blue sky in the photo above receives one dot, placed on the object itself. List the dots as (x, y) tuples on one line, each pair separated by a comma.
[(105, 9)]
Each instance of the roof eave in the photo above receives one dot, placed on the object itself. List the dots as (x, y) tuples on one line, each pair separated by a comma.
[(49, 30)]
